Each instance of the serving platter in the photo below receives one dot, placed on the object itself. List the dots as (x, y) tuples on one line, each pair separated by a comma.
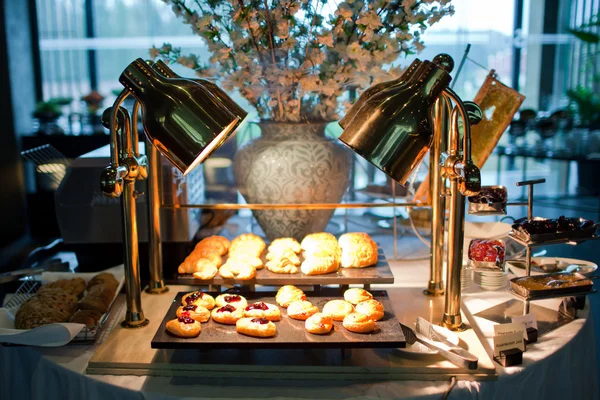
[(291, 333), (379, 273), (544, 265)]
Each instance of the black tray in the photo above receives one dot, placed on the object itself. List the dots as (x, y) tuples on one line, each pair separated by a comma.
[(379, 273), (291, 333), (525, 293)]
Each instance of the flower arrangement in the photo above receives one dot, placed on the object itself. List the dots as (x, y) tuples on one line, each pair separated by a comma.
[(293, 59)]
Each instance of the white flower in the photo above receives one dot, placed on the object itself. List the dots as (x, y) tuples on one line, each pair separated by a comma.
[(370, 19)]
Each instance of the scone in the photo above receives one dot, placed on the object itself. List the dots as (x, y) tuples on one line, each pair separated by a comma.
[(282, 266), (357, 295), (197, 313), (263, 310), (256, 327), (218, 244), (288, 294), (371, 308), (205, 270), (279, 245), (301, 310), (184, 326), (234, 299), (358, 323), (199, 299), (337, 309), (318, 241), (320, 262), (358, 250), (319, 324), (227, 314)]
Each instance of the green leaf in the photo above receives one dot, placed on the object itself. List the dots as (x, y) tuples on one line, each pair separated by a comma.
[(585, 36)]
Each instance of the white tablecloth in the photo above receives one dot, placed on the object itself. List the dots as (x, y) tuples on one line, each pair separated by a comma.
[(562, 365)]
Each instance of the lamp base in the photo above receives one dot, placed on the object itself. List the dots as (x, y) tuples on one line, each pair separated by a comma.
[(454, 323), (434, 289), (134, 320), (157, 287)]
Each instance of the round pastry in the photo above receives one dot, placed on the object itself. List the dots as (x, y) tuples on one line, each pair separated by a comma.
[(227, 315), (184, 326), (256, 327), (248, 242), (263, 310), (199, 299), (371, 308), (282, 266), (205, 270), (287, 294), (218, 244), (319, 324), (317, 241), (234, 299), (197, 313), (357, 295), (337, 309), (256, 262), (301, 310), (236, 269), (358, 250), (358, 323), (279, 245)]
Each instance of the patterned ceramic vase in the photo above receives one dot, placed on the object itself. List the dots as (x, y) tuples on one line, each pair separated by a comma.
[(292, 163)]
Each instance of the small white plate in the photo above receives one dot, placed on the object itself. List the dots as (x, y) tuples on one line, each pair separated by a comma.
[(518, 268)]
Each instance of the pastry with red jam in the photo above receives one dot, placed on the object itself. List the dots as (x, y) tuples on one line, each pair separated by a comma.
[(227, 314), (256, 327), (184, 326), (319, 324), (198, 313), (234, 299), (199, 299), (263, 310)]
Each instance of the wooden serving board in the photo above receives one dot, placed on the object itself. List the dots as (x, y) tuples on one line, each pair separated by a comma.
[(291, 333), (379, 273)]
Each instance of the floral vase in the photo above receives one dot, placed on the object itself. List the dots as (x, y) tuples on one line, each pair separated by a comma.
[(292, 163)]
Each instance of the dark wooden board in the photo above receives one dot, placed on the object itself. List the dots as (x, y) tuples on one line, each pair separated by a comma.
[(380, 273), (291, 333)]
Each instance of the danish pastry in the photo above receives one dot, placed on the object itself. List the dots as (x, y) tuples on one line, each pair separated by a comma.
[(357, 295), (256, 262), (184, 326), (227, 314), (337, 309), (282, 266), (279, 245), (205, 270), (371, 308), (197, 313), (288, 294), (236, 269), (263, 310), (199, 299), (319, 324), (320, 262), (358, 250), (217, 244), (301, 310), (234, 299), (358, 323), (318, 241), (256, 327)]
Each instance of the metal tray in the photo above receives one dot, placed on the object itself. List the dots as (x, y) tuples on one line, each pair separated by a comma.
[(379, 273), (539, 294), (291, 333), (488, 208), (542, 238), (555, 296)]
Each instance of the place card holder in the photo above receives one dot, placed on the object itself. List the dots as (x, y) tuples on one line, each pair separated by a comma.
[(531, 327), (510, 357), (509, 344)]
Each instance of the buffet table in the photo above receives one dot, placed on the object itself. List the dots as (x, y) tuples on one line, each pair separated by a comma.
[(562, 364)]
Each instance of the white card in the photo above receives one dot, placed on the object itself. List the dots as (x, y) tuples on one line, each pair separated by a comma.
[(505, 329), (508, 341), (528, 320)]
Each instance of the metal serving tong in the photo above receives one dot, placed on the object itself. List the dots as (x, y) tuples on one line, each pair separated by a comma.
[(426, 335)]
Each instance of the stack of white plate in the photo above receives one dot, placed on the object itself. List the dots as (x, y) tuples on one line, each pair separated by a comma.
[(466, 275), (490, 280)]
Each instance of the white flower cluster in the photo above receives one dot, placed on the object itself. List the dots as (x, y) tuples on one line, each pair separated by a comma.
[(294, 59)]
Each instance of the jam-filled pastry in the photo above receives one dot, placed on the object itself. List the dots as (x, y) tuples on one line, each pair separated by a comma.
[(358, 323), (301, 310), (263, 310), (197, 313), (199, 299), (319, 324), (371, 308), (318, 241), (281, 244), (230, 298), (337, 309), (256, 327), (236, 269), (288, 294), (321, 262), (357, 295), (217, 244), (205, 270), (184, 326), (256, 262), (282, 266), (248, 242), (358, 250), (227, 314)]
